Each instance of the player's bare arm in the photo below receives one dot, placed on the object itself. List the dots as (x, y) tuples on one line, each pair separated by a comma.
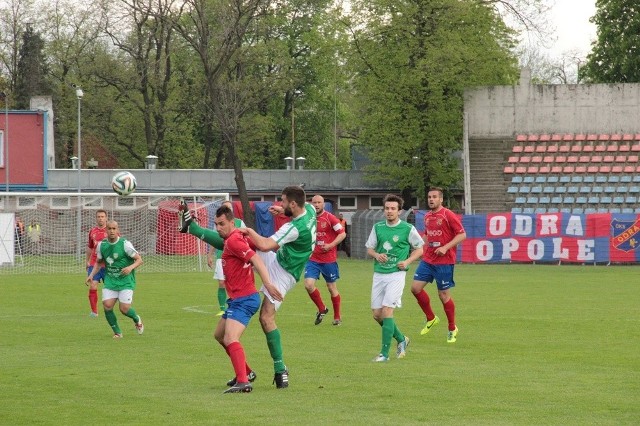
[(261, 269), (415, 254), (262, 243), (127, 270), (451, 244), (380, 257)]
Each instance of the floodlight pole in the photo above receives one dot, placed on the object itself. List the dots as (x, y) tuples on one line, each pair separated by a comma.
[(5, 96), (79, 95)]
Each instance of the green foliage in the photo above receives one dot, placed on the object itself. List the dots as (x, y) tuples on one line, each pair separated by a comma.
[(615, 55), (523, 356), (31, 79), (413, 60)]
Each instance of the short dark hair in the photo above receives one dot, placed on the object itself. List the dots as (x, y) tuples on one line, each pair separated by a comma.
[(436, 188), (393, 197), (225, 211), (101, 211), (295, 193)]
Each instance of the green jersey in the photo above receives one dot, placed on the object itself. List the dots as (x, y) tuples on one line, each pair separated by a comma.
[(395, 241), (117, 256), (297, 240), (239, 224)]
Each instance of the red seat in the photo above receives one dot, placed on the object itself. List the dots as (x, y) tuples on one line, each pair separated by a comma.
[(525, 159), (581, 169), (521, 170), (529, 148), (602, 137), (627, 137), (561, 159), (536, 159), (637, 169), (532, 169), (624, 148), (629, 169), (544, 169), (567, 137), (635, 147), (617, 169), (512, 160), (532, 138), (509, 169), (612, 148), (572, 159), (565, 148), (521, 138), (605, 169), (621, 158), (547, 159), (541, 148), (576, 148), (592, 169), (600, 148), (567, 169), (517, 149), (552, 148), (632, 159), (556, 137), (584, 159), (556, 169), (596, 159), (608, 159), (587, 148)]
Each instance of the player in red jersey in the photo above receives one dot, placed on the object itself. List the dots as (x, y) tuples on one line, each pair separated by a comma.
[(329, 234), (244, 300), (443, 231), (96, 234)]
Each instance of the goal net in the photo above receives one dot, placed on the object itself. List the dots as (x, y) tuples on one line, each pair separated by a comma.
[(55, 227)]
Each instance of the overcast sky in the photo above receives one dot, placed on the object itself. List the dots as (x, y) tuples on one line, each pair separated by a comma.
[(573, 29)]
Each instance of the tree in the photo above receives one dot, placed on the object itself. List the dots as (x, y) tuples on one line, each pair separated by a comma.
[(14, 15), (413, 59), (615, 57), (31, 78)]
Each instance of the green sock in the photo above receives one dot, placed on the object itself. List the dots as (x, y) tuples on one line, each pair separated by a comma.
[(275, 349), (388, 326), (113, 321), (207, 235), (222, 298), (397, 334), (132, 314)]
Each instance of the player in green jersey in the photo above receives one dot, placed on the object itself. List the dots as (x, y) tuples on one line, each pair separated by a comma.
[(120, 259), (394, 244), (285, 254)]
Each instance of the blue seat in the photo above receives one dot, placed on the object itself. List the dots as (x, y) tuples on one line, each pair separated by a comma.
[(613, 179), (588, 179), (581, 200), (631, 199), (597, 189), (561, 190), (521, 200), (541, 179), (577, 210), (512, 190), (637, 210), (565, 179), (625, 179), (528, 210), (516, 179), (627, 210), (622, 189), (572, 190), (516, 210), (609, 189), (634, 189), (524, 190), (614, 210), (585, 189), (576, 179), (540, 210), (545, 200), (594, 199), (605, 200), (556, 200), (618, 200), (552, 179), (536, 190), (601, 179), (528, 179), (589, 210), (603, 210), (636, 179), (548, 190), (553, 210), (569, 200), (532, 200), (565, 210)]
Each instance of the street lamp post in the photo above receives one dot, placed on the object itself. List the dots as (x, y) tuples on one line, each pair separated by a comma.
[(79, 95)]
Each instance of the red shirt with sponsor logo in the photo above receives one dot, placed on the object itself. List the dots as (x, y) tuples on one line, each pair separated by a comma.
[(96, 235), (328, 227), (440, 227), (238, 270)]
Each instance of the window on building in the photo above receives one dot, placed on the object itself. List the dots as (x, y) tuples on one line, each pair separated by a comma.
[(376, 202), (347, 202), (1, 149)]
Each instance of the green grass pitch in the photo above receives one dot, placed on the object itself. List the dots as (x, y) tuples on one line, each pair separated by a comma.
[(537, 345)]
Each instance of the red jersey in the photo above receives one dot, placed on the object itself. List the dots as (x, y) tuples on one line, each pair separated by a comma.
[(238, 271), (328, 227), (439, 229), (96, 235)]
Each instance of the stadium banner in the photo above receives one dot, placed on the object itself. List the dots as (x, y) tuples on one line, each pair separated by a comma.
[(549, 237)]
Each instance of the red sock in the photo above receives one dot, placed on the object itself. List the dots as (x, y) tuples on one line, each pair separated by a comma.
[(450, 310), (238, 359), (336, 307), (317, 299), (93, 300), (425, 304), (246, 366)]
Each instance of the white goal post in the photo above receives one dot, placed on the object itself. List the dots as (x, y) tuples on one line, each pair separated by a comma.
[(56, 227)]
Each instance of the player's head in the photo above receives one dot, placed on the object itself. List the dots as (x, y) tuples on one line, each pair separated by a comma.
[(113, 231), (293, 199), (101, 218), (434, 198), (224, 221), (392, 205), (318, 203)]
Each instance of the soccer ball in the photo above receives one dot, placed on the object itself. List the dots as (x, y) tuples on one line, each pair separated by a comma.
[(123, 183)]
